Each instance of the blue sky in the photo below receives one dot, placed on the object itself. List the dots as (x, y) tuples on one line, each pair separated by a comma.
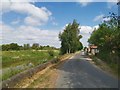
[(41, 22), (67, 11)]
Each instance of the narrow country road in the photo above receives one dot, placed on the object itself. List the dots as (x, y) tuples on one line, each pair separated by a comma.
[(77, 72)]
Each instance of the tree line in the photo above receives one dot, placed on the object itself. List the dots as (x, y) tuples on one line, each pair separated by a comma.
[(35, 46)]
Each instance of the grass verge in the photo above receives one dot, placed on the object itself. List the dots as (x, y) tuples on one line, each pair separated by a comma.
[(110, 68), (45, 78), (14, 62)]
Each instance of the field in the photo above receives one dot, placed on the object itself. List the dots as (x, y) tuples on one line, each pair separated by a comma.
[(14, 62)]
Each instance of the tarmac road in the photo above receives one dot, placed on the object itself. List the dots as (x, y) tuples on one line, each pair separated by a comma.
[(78, 72)]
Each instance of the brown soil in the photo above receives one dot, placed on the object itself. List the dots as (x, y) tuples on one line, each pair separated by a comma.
[(45, 78)]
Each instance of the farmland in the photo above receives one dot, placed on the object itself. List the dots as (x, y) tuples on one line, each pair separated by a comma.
[(14, 62)]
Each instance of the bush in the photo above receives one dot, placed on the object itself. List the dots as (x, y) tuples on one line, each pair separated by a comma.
[(51, 53)]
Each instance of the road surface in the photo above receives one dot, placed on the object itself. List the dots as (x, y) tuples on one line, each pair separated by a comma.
[(77, 72)]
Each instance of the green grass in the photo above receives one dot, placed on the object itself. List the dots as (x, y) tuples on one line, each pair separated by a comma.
[(10, 73), (110, 60), (110, 67), (18, 61), (14, 58)]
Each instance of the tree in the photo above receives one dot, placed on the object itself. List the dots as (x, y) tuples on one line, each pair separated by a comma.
[(35, 46), (70, 38), (26, 46), (12, 46), (106, 37), (108, 34), (5, 47)]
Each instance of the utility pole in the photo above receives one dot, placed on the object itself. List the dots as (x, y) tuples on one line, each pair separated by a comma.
[(118, 13)]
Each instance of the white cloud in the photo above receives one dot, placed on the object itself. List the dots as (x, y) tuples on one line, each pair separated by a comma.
[(86, 31), (106, 19), (95, 27), (111, 4), (34, 14), (17, 21), (55, 23), (112, 1), (84, 2), (29, 34), (32, 21), (53, 20), (99, 18), (60, 0)]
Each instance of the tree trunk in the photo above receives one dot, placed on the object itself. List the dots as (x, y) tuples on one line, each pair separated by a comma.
[(69, 50)]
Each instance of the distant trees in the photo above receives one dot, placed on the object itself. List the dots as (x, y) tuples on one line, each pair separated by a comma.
[(35, 46), (5, 47), (26, 46), (12, 46), (70, 38)]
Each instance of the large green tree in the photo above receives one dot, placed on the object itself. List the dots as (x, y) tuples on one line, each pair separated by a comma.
[(107, 38), (70, 38), (108, 34)]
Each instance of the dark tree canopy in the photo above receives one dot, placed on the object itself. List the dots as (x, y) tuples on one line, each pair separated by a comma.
[(70, 38), (108, 34), (12, 46), (107, 38)]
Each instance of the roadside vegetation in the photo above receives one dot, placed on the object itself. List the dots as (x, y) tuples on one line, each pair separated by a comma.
[(107, 38), (15, 61), (45, 78), (16, 58)]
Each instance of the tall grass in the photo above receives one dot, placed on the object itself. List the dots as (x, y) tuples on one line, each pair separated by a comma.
[(14, 62), (14, 58), (111, 59)]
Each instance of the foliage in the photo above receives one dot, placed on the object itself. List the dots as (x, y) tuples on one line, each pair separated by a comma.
[(70, 38), (107, 35), (26, 46), (51, 53), (107, 38), (14, 62), (36, 46), (12, 46)]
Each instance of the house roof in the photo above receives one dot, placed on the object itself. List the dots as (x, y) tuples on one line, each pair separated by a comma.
[(94, 47)]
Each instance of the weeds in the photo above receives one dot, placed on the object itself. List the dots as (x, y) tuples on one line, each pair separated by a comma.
[(16, 62)]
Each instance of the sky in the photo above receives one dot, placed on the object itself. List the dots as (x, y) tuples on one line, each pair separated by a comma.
[(41, 22)]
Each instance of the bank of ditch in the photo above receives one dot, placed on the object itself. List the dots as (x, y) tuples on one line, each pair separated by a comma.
[(45, 78), (15, 81), (14, 62)]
